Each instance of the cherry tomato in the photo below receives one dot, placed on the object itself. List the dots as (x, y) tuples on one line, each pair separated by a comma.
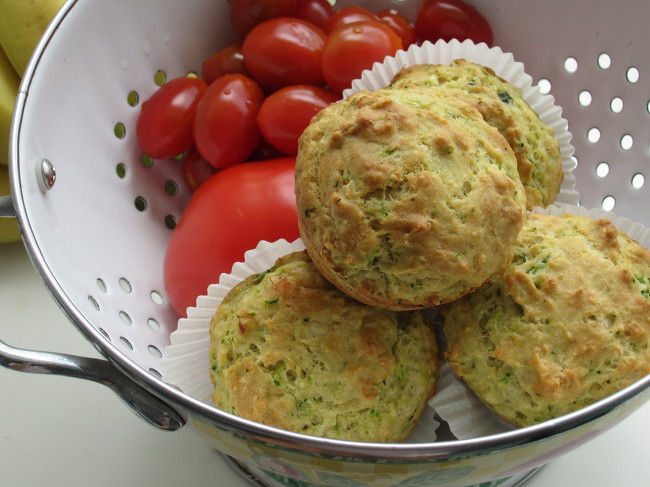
[(318, 12), (354, 47), (196, 170), (402, 26), (284, 51), (285, 114), (164, 126), (225, 126), (228, 60), (246, 14), (449, 19), (348, 15), (229, 214)]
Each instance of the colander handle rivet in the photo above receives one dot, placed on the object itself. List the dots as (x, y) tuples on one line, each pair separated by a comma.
[(46, 174)]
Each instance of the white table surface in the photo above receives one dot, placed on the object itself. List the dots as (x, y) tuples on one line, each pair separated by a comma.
[(58, 431)]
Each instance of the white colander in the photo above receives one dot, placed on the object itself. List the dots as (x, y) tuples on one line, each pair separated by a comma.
[(95, 215)]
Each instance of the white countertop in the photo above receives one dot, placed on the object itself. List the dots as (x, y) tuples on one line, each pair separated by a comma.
[(58, 431)]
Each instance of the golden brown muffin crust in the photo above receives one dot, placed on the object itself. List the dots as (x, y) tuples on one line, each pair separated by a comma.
[(290, 350), (503, 107), (406, 200), (566, 325)]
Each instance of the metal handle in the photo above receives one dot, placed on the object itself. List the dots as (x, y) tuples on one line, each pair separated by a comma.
[(144, 404)]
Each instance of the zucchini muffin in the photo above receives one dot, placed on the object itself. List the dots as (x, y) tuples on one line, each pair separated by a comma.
[(406, 200), (566, 325), (290, 350), (501, 104)]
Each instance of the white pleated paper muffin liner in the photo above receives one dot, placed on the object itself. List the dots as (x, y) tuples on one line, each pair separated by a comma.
[(186, 360), (504, 65), (454, 402), (186, 363)]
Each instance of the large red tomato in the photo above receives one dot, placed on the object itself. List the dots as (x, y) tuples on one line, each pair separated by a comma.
[(229, 214), (285, 114), (354, 47), (284, 51), (452, 19), (225, 127), (164, 126)]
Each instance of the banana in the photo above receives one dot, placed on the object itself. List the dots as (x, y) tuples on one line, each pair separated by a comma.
[(9, 82), (9, 231), (22, 23)]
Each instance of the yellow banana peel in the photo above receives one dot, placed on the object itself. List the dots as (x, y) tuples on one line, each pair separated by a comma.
[(22, 24), (9, 231), (9, 82)]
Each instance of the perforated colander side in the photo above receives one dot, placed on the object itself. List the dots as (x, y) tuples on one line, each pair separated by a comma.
[(102, 229), (590, 55)]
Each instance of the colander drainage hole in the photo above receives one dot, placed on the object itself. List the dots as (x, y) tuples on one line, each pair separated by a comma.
[(155, 351), (119, 130), (604, 61), (133, 98), (171, 187), (153, 324), (602, 170), (126, 319), (593, 135), (93, 302), (570, 65), (125, 285), (584, 98), (120, 170), (544, 86), (140, 203), (156, 297), (632, 74), (155, 373), (616, 105), (170, 222), (608, 203), (146, 161), (160, 77), (627, 142), (126, 343), (638, 180), (103, 332), (101, 285)]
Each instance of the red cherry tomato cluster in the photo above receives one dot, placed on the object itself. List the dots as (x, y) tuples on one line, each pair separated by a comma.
[(255, 97), (251, 102)]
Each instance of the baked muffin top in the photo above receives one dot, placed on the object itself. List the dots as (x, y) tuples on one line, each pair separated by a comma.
[(501, 104), (290, 350), (406, 200), (566, 325)]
